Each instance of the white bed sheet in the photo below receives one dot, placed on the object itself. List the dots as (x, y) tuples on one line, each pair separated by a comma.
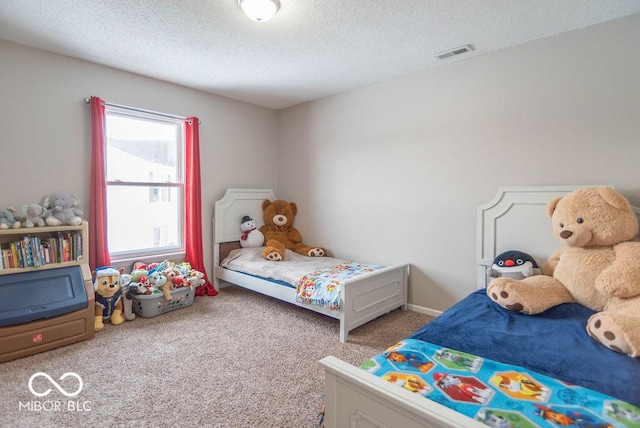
[(290, 270)]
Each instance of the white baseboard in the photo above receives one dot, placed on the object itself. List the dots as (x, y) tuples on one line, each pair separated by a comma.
[(423, 310)]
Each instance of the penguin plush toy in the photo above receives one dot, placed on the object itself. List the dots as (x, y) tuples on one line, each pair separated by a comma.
[(513, 264)]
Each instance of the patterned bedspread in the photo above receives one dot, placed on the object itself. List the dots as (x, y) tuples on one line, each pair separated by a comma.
[(317, 280), (294, 267), (497, 394), (322, 288)]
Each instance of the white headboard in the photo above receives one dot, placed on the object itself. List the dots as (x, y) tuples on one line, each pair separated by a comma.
[(516, 219), (235, 204)]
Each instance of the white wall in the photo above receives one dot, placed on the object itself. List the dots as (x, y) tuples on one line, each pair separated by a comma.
[(394, 172), (45, 129)]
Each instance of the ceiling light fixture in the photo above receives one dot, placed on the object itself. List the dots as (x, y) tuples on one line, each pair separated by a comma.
[(259, 10)]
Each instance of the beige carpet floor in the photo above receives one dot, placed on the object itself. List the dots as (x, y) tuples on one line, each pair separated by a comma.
[(239, 359)]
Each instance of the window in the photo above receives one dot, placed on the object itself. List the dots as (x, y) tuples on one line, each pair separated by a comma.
[(145, 184)]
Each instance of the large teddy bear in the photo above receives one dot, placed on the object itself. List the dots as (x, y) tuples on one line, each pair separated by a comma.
[(599, 267), (279, 233)]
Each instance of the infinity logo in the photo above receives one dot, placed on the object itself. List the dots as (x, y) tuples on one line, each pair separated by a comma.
[(54, 383)]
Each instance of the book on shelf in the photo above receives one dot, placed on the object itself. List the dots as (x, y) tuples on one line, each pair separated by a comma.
[(17, 254), (35, 247), (27, 252), (34, 250)]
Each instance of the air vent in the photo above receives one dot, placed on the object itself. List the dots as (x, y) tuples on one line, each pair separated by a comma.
[(454, 52)]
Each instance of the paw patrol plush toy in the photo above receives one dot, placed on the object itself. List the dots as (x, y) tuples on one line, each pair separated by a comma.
[(108, 289)]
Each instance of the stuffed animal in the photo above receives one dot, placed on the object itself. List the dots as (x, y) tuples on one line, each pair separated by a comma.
[(598, 268), (160, 282), (195, 279), (144, 281), (108, 290), (513, 264), (172, 274), (127, 296), (8, 218), (137, 266), (182, 272), (62, 209), (127, 304), (137, 273), (251, 236), (137, 289), (33, 215), (179, 282), (279, 233)]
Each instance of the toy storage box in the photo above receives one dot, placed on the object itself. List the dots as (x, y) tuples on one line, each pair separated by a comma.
[(30, 296), (152, 305), (47, 324)]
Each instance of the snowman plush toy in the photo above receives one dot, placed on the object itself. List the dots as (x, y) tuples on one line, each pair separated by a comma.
[(251, 236)]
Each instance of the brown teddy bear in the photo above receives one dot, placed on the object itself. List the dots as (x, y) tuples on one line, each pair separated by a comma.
[(598, 268), (279, 232)]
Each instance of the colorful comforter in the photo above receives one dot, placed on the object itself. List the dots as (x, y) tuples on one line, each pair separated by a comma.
[(497, 394), (322, 288), (287, 272)]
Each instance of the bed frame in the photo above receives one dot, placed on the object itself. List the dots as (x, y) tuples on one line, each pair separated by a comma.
[(365, 297), (514, 219)]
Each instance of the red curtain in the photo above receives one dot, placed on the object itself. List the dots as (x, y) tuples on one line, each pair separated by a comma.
[(193, 223), (98, 248)]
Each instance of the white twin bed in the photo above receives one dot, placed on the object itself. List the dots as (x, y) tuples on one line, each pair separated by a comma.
[(514, 219), (364, 297)]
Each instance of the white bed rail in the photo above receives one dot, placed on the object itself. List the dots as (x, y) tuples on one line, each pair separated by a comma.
[(355, 398)]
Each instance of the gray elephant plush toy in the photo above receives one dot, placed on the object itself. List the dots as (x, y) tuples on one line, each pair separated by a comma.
[(62, 209), (8, 219), (33, 215)]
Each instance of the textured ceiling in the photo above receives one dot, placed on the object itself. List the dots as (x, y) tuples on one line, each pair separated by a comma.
[(310, 49)]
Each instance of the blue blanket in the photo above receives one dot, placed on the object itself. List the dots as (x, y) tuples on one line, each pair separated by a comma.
[(553, 343)]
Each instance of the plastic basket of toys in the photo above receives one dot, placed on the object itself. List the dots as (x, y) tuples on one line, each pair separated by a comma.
[(151, 305), (158, 288)]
